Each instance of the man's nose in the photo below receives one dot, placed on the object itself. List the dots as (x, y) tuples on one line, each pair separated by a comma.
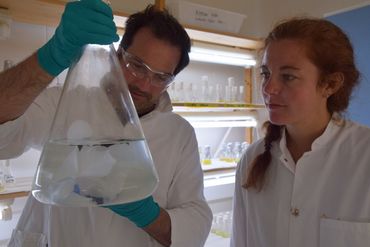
[(144, 83)]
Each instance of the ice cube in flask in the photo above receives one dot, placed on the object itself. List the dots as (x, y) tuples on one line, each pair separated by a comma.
[(96, 153)]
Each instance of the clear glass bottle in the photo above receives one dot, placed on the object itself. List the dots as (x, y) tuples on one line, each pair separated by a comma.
[(96, 153), (8, 176), (204, 89), (229, 152), (237, 151), (207, 160)]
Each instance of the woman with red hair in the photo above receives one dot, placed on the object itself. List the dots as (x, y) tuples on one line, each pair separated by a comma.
[(307, 182)]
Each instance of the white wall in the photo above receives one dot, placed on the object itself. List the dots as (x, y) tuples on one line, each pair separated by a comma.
[(16, 47), (129, 6), (273, 11)]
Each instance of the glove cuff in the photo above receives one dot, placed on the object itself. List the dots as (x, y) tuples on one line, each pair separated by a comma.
[(47, 62), (146, 214), (142, 213)]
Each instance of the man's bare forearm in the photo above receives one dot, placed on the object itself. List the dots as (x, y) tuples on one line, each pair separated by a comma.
[(160, 229), (19, 86)]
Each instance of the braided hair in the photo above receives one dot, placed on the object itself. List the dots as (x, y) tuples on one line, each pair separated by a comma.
[(258, 168)]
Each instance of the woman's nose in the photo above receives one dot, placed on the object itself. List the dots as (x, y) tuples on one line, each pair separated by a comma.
[(271, 86)]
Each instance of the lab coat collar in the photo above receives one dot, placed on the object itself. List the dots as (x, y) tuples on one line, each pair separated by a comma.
[(164, 105), (330, 132), (331, 129)]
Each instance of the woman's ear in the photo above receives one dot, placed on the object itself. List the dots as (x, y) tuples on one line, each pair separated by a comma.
[(333, 83)]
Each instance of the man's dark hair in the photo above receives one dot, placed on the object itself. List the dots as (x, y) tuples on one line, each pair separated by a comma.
[(164, 26)]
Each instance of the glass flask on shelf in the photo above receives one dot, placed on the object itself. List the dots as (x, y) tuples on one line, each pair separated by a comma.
[(96, 153), (237, 151), (204, 97), (207, 159)]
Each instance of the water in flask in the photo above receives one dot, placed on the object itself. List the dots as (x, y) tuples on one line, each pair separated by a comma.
[(95, 173), (96, 153)]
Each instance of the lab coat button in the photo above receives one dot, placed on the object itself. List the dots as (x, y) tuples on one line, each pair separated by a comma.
[(294, 211)]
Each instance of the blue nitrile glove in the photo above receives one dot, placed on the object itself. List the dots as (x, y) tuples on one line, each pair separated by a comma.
[(83, 22), (142, 212)]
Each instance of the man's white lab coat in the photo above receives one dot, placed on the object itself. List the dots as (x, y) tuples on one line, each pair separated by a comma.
[(325, 202), (174, 149)]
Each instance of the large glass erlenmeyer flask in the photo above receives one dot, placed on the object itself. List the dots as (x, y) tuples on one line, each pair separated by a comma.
[(96, 153)]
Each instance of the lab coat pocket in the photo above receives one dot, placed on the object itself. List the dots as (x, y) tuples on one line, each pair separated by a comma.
[(341, 233), (27, 239)]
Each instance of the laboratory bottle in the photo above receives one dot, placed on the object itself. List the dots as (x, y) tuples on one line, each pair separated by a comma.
[(204, 90), (207, 155), (96, 153)]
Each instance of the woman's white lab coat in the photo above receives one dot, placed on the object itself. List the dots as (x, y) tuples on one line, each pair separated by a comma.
[(174, 149), (325, 202)]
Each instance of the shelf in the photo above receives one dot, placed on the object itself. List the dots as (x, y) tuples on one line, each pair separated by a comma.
[(13, 195), (236, 115), (20, 188), (217, 165), (219, 177), (217, 111), (199, 105), (208, 115)]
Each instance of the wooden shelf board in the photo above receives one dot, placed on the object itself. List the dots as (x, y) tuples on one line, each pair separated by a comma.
[(13, 195), (218, 105)]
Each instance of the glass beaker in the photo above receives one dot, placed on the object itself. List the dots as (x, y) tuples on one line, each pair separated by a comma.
[(96, 153)]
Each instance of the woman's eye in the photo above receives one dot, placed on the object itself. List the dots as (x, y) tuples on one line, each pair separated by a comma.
[(288, 77)]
